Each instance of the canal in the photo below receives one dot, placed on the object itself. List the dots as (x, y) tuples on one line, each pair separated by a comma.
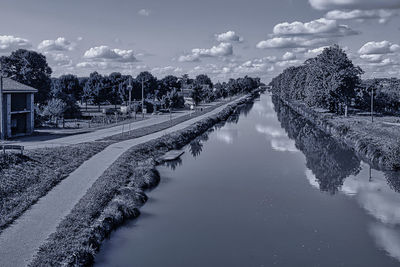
[(265, 188)]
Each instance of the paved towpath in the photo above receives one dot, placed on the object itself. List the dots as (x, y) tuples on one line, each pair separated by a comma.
[(34, 142), (20, 241)]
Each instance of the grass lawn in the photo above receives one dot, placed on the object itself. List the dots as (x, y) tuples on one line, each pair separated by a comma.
[(24, 179)]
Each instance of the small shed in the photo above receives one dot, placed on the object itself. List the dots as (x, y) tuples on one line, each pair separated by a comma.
[(16, 108)]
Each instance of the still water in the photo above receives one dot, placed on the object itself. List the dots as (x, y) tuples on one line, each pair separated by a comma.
[(266, 188)]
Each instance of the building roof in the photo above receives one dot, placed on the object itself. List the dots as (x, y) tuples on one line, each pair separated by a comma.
[(11, 86)]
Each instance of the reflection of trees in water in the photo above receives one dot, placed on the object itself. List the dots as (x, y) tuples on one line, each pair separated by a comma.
[(330, 161), (195, 147), (234, 118), (393, 179), (240, 110), (246, 108), (173, 164), (219, 125)]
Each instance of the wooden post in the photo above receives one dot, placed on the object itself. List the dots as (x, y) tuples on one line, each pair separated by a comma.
[(372, 104)]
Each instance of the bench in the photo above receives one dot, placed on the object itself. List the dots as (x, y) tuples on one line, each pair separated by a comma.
[(12, 147)]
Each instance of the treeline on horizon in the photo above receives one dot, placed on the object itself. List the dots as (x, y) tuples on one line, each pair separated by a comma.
[(59, 97), (331, 81)]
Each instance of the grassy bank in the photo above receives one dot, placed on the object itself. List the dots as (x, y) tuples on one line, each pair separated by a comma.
[(115, 197), (164, 125), (376, 142), (23, 180)]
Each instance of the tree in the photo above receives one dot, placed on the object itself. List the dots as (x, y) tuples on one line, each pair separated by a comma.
[(327, 81), (111, 84), (170, 82), (94, 89), (55, 109), (175, 100), (167, 84), (67, 88), (82, 82), (232, 87), (248, 84), (184, 81), (67, 84), (196, 94), (339, 77), (30, 68), (150, 84), (203, 79)]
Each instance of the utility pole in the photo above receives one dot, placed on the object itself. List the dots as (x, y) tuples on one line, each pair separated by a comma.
[(142, 98), (130, 92), (372, 104)]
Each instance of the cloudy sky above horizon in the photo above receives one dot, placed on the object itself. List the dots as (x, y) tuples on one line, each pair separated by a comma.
[(221, 38)]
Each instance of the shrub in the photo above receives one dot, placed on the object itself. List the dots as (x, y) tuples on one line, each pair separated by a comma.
[(393, 156)]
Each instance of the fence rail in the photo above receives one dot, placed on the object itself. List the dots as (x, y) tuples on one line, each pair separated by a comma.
[(12, 147)]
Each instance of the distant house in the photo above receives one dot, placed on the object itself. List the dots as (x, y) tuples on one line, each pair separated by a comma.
[(186, 92), (16, 109)]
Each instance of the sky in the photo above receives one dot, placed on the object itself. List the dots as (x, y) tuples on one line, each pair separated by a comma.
[(221, 38)]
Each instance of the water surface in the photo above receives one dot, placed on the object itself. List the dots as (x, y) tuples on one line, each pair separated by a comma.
[(266, 188)]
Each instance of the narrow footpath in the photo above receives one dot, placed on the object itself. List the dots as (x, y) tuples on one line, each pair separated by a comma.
[(34, 142), (20, 241)]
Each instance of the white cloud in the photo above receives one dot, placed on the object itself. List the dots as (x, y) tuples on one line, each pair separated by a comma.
[(144, 12), (311, 178), (387, 238), (291, 42), (322, 26), (372, 58), (58, 59), (384, 47), (256, 66), (105, 53), (270, 131), (59, 44), (189, 58), (9, 43), (283, 145), (229, 36), (221, 50), (384, 63), (97, 65), (382, 15), (316, 51), (166, 70), (287, 63), (227, 134), (289, 56), (354, 4)]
